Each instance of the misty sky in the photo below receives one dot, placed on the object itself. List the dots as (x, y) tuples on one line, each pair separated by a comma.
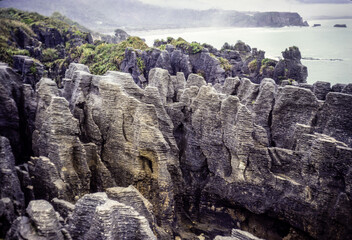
[(307, 8)]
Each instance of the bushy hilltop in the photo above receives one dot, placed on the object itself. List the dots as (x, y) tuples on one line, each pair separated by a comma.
[(56, 42)]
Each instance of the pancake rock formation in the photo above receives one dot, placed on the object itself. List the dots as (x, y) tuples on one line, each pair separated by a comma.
[(175, 157)]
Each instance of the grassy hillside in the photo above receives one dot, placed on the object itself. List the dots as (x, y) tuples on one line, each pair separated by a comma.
[(57, 41)]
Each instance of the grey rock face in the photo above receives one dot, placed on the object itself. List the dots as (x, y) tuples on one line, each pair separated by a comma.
[(55, 125), (279, 19), (209, 66), (131, 197), (237, 234), (334, 119), (50, 37), (290, 67), (120, 35), (30, 70), (347, 89), (292, 105), (321, 89), (12, 202), (209, 159), (10, 184), (17, 113), (228, 154), (127, 135), (337, 87), (214, 65), (97, 217), (7, 214), (64, 208), (42, 223)]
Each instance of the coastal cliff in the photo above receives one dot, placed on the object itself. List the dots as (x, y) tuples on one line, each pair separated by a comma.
[(183, 142), (267, 159)]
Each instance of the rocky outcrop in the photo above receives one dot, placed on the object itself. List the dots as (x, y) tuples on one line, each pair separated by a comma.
[(213, 65), (31, 71), (290, 67), (42, 223), (187, 158), (97, 217), (321, 89), (340, 25), (258, 144), (17, 113), (12, 201), (278, 19), (334, 118), (119, 36), (82, 146), (237, 234)]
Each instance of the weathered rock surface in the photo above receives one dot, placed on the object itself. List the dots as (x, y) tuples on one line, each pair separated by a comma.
[(291, 67), (42, 223), (30, 70), (17, 113), (271, 160), (12, 201), (237, 234), (335, 117), (117, 134), (97, 217), (321, 89), (212, 64)]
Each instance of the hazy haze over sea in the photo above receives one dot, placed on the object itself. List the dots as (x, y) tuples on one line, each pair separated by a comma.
[(328, 49)]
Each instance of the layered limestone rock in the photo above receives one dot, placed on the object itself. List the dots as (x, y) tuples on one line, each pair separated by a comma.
[(291, 67), (271, 160), (212, 64), (261, 150), (97, 217), (63, 162), (31, 71), (42, 223), (11, 196), (107, 132), (17, 112), (237, 234)]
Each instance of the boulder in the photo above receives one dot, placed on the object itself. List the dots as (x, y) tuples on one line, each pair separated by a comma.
[(97, 217), (334, 119), (292, 105), (337, 87), (31, 70), (347, 89), (321, 89), (291, 67), (237, 234), (42, 223)]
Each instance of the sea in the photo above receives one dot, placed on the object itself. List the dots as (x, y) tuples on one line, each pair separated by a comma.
[(326, 50)]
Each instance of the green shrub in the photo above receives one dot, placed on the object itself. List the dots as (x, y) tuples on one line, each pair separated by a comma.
[(49, 55), (253, 65), (195, 47), (224, 63), (33, 69), (105, 57), (141, 64)]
